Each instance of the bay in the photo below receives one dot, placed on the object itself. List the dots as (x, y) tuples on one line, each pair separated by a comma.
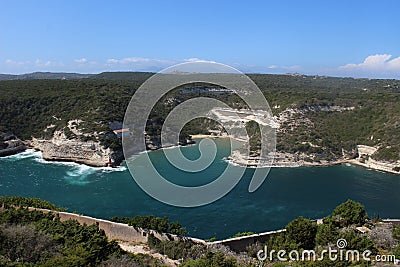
[(286, 193)]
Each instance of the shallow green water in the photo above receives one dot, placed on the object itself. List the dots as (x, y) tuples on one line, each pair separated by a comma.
[(287, 192)]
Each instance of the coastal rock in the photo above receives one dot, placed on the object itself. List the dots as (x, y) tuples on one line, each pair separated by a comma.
[(364, 150), (365, 159), (10, 145), (60, 148), (377, 165)]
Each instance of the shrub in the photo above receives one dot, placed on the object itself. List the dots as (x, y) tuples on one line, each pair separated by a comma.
[(349, 213)]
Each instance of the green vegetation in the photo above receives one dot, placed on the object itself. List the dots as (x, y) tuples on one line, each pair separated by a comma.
[(24, 202), (243, 234), (176, 249), (161, 225), (396, 235), (302, 234), (253, 130), (192, 254), (360, 243), (350, 212), (33, 238), (368, 110), (215, 259), (327, 233)]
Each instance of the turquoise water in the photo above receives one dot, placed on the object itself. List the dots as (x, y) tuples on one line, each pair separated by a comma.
[(287, 192)]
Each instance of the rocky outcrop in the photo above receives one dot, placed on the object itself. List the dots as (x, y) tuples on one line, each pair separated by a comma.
[(365, 159), (377, 165), (364, 150), (10, 145), (60, 148), (282, 159)]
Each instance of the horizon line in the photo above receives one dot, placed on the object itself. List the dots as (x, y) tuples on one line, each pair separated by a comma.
[(155, 72)]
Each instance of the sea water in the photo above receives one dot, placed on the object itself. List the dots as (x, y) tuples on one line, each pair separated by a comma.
[(287, 193)]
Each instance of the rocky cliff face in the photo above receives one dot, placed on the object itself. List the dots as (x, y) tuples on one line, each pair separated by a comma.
[(10, 144), (364, 159), (60, 148)]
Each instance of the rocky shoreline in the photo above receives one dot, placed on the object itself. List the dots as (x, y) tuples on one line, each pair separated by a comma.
[(91, 153), (59, 148), (288, 160), (283, 160), (12, 148), (10, 145)]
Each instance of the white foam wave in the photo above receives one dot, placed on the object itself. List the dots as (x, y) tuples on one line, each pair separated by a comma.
[(78, 174), (80, 171), (112, 169), (29, 153), (82, 166), (38, 157)]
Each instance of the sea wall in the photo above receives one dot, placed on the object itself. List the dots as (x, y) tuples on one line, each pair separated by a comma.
[(113, 230), (126, 233), (239, 244)]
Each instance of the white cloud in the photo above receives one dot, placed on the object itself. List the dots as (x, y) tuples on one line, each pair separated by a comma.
[(378, 62), (394, 63), (81, 60), (154, 61), (14, 66), (15, 63), (195, 59), (146, 64), (130, 60), (278, 69), (373, 66)]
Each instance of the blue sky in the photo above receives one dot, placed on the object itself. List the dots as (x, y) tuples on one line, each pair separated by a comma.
[(340, 38)]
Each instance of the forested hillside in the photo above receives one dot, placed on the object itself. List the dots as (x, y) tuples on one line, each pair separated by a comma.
[(320, 115)]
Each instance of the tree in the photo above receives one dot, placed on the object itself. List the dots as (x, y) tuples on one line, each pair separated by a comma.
[(24, 243), (327, 233), (360, 243), (396, 233), (303, 232), (349, 213), (396, 252)]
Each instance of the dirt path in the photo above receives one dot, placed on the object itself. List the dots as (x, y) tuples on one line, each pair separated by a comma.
[(143, 249)]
